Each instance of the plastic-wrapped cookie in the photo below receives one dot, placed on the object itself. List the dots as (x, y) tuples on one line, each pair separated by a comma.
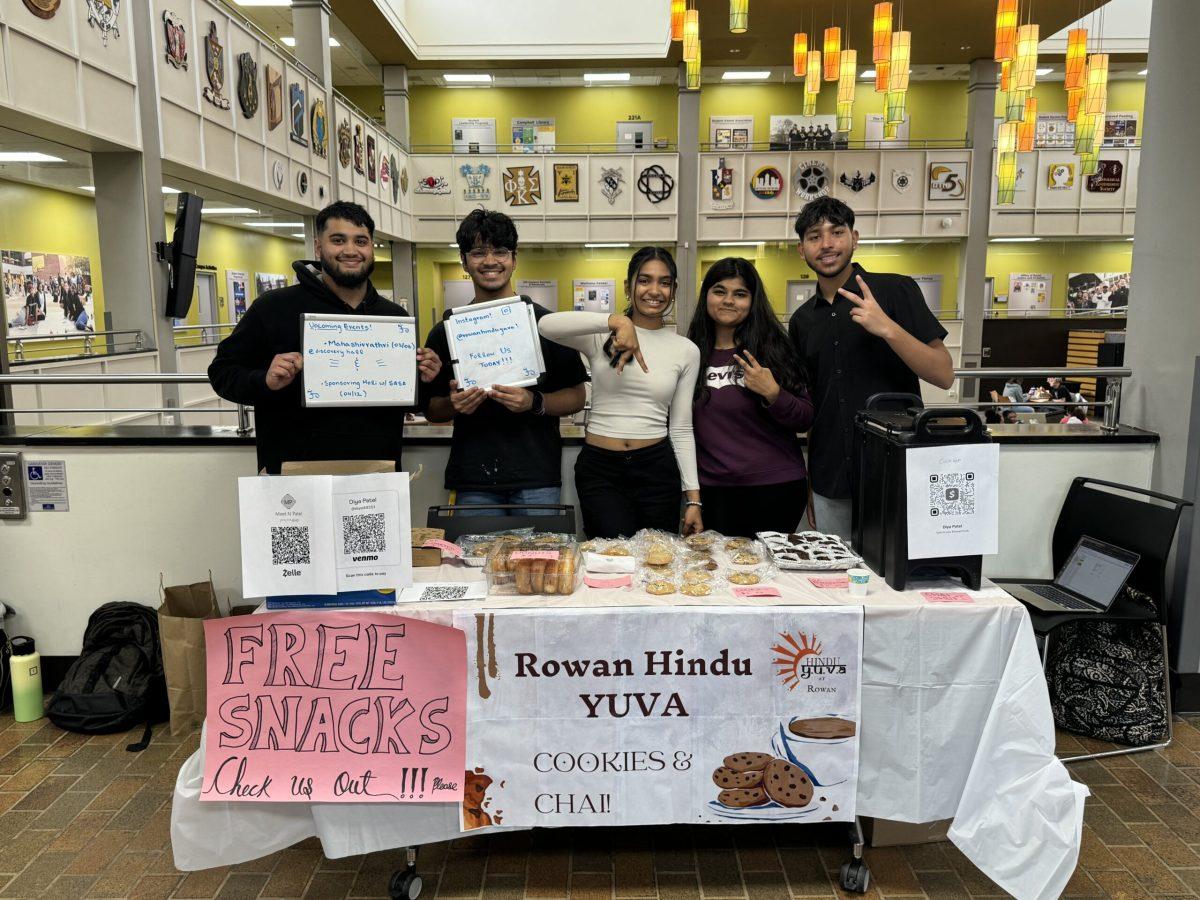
[(738, 543), (703, 541), (744, 578), (660, 587), (745, 558), (697, 576), (616, 550), (697, 589), (659, 556)]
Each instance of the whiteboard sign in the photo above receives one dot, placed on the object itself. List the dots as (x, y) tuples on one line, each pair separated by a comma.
[(359, 360), (495, 343)]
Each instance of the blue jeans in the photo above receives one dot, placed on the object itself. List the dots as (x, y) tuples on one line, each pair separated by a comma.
[(538, 495)]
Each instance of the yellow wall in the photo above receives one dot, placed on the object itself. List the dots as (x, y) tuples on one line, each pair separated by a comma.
[(1060, 259), (1124, 95), (937, 109), (368, 98), (585, 115)]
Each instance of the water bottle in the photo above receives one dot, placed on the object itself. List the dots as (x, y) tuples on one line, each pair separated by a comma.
[(25, 664)]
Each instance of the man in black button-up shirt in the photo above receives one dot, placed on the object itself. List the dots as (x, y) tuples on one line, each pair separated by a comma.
[(860, 334)]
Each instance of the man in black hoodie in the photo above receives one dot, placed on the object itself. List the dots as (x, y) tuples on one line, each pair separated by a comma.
[(258, 364)]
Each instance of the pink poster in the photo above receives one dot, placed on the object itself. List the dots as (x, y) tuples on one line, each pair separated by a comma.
[(344, 707)]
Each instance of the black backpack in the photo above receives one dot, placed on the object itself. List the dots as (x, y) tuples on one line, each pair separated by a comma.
[(117, 682)]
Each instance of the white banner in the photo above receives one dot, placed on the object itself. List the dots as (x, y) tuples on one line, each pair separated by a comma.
[(656, 716)]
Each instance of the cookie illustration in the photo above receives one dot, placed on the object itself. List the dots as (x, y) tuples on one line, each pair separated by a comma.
[(726, 778), (748, 762), (787, 784), (743, 797), (822, 729), (474, 790)]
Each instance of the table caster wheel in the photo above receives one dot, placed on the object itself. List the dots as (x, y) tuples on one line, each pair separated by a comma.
[(405, 885), (856, 877)]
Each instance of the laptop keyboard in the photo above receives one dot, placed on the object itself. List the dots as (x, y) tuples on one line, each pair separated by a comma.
[(1059, 596)]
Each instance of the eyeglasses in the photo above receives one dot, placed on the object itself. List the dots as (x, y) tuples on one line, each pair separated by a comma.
[(498, 253)]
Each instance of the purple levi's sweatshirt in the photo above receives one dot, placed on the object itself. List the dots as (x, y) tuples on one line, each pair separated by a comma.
[(739, 441)]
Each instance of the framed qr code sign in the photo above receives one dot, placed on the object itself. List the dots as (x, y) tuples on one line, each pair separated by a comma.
[(952, 500)]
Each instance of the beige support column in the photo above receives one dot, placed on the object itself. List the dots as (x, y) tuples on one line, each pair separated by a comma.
[(310, 27), (687, 255), (972, 257), (395, 102), (1164, 324)]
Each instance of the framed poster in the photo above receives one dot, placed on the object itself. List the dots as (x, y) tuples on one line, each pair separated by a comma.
[(931, 290), (473, 135), (731, 132), (874, 133), (238, 286), (266, 281), (797, 132), (1089, 291), (459, 292), (47, 293), (542, 291), (593, 295), (533, 135), (1029, 293)]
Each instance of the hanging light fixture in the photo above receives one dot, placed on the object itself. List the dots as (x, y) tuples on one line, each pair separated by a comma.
[(739, 16), (898, 65), (881, 44), (1006, 30), (691, 35), (693, 70), (845, 90), (833, 52), (1085, 131), (1095, 96), (881, 76), (895, 107), (1006, 76), (1014, 105), (1027, 129), (812, 84), (1006, 163), (800, 54), (1074, 104), (678, 13), (1076, 58), (1025, 68)]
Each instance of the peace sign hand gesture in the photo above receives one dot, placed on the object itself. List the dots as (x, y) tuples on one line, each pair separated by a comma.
[(868, 313), (758, 378)]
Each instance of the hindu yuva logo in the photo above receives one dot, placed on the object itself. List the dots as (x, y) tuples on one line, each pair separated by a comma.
[(799, 659)]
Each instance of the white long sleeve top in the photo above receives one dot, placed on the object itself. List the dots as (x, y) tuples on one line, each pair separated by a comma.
[(637, 405)]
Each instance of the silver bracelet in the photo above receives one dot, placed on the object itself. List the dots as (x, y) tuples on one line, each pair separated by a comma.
[(693, 503)]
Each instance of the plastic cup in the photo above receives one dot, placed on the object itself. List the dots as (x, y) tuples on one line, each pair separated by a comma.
[(859, 580)]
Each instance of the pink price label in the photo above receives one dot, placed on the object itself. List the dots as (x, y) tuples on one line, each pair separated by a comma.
[(947, 597), (756, 592), (829, 583), (445, 546), (614, 581), (534, 554)]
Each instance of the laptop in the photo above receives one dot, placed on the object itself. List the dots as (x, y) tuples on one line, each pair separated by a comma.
[(1088, 582)]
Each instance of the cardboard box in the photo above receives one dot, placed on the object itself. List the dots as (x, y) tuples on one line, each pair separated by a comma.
[(887, 833), (422, 556)]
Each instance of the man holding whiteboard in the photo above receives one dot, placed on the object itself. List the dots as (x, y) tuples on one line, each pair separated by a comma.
[(260, 362), (506, 447)]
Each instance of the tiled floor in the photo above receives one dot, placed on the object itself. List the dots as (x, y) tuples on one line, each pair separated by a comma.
[(81, 817)]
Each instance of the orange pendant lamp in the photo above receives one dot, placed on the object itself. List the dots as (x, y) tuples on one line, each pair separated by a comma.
[(845, 90), (1025, 67), (691, 35), (1076, 59), (881, 44), (1006, 30), (1074, 104), (882, 72), (833, 53), (1027, 129), (678, 12), (1006, 76), (812, 84), (739, 16), (800, 54)]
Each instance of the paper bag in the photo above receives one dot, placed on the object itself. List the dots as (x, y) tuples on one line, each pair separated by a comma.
[(181, 628)]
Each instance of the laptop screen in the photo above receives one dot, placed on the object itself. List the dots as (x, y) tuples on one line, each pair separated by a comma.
[(1096, 570)]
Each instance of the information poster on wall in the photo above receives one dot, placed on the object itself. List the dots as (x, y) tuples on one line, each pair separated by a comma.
[(266, 281), (797, 132), (953, 500), (359, 360), (473, 135), (456, 293), (731, 132), (931, 290), (341, 708), (656, 716), (874, 133), (542, 291), (495, 343), (593, 295), (237, 284), (1090, 291), (47, 293), (1029, 293), (1054, 132), (533, 135)]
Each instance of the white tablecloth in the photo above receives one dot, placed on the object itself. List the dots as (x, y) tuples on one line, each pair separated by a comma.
[(956, 724)]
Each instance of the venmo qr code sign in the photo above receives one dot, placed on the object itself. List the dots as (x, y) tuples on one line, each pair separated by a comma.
[(953, 500)]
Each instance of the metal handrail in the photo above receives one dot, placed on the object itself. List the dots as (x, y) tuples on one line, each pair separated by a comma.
[(814, 146), (203, 327), (88, 338), (79, 335), (1047, 372), (1068, 312), (505, 149)]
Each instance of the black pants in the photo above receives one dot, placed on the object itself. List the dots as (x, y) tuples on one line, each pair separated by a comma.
[(623, 491), (745, 510)]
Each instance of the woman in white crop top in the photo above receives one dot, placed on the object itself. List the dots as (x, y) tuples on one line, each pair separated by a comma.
[(639, 452)]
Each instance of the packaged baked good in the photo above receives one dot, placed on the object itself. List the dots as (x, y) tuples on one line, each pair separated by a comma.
[(657, 549), (809, 550), (704, 541), (527, 568)]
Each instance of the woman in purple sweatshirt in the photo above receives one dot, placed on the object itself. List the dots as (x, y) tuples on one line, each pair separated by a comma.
[(750, 402)]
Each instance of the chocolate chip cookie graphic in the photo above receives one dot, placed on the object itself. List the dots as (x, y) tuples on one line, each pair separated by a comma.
[(743, 797), (727, 778), (787, 784), (748, 762)]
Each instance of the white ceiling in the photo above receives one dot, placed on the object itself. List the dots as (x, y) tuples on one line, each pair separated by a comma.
[(352, 64), (1126, 28)]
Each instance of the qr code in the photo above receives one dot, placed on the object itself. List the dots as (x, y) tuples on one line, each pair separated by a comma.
[(289, 545), (363, 534), (445, 592), (952, 494)]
